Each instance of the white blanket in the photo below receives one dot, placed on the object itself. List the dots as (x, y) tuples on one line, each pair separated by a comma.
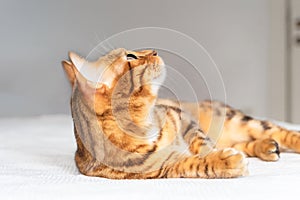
[(37, 162)]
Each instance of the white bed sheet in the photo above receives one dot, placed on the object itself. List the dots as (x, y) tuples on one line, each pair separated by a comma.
[(36, 162)]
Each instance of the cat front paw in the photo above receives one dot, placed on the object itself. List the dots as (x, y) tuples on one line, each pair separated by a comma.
[(226, 163)]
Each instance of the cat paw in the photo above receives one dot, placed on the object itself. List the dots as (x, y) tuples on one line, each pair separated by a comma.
[(227, 163), (267, 150)]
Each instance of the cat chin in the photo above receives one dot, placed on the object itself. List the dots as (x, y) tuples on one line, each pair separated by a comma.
[(158, 81)]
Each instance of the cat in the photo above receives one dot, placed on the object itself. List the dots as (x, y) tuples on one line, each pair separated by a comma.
[(123, 131)]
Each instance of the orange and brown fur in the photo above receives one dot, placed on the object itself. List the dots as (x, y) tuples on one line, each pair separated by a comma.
[(124, 132)]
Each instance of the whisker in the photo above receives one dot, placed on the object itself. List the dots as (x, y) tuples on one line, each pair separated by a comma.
[(100, 52), (110, 45), (105, 42), (104, 47), (97, 37), (100, 46)]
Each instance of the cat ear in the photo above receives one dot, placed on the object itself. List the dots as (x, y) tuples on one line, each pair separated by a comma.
[(77, 60), (71, 70), (96, 72), (92, 71), (68, 67), (87, 86)]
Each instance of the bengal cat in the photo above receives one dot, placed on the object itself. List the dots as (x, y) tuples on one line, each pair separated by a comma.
[(123, 131)]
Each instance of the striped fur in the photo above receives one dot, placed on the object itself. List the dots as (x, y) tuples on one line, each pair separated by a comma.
[(124, 132)]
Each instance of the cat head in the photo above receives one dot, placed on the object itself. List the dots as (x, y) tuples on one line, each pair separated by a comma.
[(120, 73)]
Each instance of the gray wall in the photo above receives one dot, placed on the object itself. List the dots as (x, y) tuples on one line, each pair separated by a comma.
[(36, 35)]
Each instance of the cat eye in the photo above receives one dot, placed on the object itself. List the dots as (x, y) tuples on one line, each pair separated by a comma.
[(131, 56)]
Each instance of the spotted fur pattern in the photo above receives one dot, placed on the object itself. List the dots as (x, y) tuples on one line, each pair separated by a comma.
[(124, 132)]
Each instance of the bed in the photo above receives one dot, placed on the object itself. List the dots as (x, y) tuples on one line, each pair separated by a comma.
[(36, 162)]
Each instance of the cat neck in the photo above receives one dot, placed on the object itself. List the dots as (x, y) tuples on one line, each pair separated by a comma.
[(136, 107)]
